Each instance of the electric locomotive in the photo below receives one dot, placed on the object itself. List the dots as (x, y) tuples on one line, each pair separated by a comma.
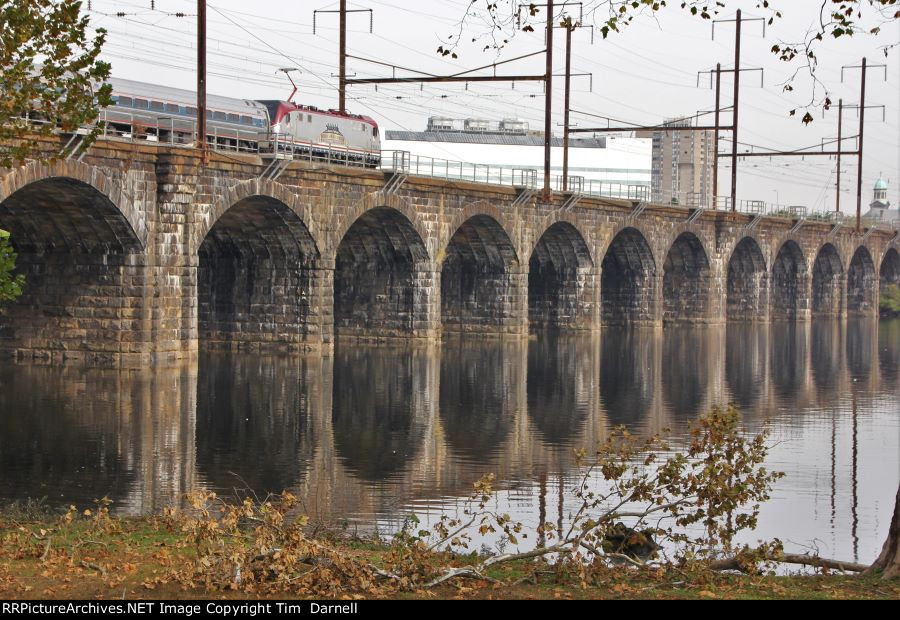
[(169, 115)]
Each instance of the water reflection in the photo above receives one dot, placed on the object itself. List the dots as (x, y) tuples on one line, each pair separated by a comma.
[(65, 445), (628, 372), (561, 385), (255, 426), (789, 357), (478, 395), (688, 365), (861, 352), (826, 345), (81, 434), (372, 433), (381, 407), (745, 363), (889, 353)]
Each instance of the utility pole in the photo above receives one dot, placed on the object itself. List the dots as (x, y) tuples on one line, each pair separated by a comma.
[(569, 25), (734, 122), (342, 48), (565, 179), (342, 78), (715, 179), (859, 163), (570, 28), (548, 100), (738, 20), (201, 82), (862, 117), (716, 127), (837, 197), (466, 77)]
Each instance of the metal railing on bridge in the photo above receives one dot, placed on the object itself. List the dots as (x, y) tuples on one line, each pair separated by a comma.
[(253, 141), (511, 176)]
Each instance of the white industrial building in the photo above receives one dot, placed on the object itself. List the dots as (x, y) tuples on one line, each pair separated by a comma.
[(481, 150)]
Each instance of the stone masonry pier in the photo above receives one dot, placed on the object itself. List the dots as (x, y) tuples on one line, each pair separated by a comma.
[(137, 254)]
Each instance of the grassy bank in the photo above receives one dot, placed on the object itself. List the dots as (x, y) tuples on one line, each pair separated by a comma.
[(92, 555)]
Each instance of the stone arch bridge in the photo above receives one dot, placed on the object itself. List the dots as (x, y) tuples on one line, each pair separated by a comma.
[(137, 253)]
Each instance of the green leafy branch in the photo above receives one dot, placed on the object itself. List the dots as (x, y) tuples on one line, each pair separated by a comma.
[(50, 75)]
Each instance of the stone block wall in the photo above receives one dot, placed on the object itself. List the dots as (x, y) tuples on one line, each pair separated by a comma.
[(140, 253)]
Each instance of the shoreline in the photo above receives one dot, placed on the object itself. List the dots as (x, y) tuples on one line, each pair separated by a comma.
[(92, 555)]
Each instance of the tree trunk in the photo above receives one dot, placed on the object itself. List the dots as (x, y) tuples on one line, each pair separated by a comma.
[(889, 560)]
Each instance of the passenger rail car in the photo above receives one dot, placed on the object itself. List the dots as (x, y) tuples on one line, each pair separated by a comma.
[(161, 114)]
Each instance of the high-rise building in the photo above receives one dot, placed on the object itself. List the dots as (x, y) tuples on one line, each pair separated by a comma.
[(682, 164)]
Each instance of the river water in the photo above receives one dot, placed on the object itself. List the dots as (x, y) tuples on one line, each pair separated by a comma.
[(370, 434)]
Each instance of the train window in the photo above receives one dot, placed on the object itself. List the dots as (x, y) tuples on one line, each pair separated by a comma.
[(309, 118), (234, 118), (190, 111), (209, 115), (246, 120), (140, 104), (157, 106), (124, 102), (171, 108), (258, 122), (219, 116), (375, 132)]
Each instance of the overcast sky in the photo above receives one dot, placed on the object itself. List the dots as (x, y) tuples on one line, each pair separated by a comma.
[(643, 75)]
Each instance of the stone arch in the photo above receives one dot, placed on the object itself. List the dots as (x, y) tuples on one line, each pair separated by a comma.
[(260, 188), (379, 200), (665, 243), (827, 282), (789, 282), (747, 282), (560, 279), (76, 173), (889, 273), (469, 211), (81, 255), (687, 280), (482, 284), (382, 281), (628, 279), (257, 280), (862, 283)]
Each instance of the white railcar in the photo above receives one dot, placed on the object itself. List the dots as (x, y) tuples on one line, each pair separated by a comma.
[(169, 115)]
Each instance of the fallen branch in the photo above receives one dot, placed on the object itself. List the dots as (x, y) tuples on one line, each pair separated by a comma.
[(615, 556), (81, 543), (92, 566), (791, 558), (465, 571)]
